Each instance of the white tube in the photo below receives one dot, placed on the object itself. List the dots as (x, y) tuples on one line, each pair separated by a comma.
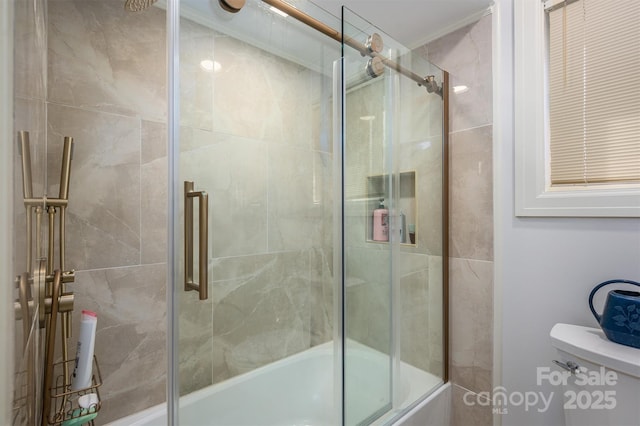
[(82, 372)]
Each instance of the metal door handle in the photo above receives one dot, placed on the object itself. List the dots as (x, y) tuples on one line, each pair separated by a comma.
[(203, 243), (570, 366)]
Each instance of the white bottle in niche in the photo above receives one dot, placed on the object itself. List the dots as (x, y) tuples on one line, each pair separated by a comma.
[(403, 227), (381, 223), (82, 372)]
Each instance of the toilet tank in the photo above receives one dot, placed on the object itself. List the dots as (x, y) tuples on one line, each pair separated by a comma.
[(606, 389)]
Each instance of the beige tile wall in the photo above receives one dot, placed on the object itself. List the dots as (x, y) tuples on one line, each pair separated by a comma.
[(248, 143), (106, 88), (466, 55), (418, 143), (251, 147), (271, 257)]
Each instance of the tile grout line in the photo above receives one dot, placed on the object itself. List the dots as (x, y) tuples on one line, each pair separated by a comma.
[(471, 128), (140, 189), (121, 267)]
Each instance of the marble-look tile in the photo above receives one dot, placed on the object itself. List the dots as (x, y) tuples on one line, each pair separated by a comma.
[(418, 152), (425, 158), (420, 113), (364, 156), (261, 96), (367, 315), (153, 144), (322, 114), (131, 334), (409, 263), (367, 303), (471, 323), (421, 312), (103, 57), (370, 264), (192, 138), (466, 55), (300, 205), (153, 193), (365, 151), (30, 45), (357, 225), (195, 337), (471, 194), (321, 295), (261, 310), (104, 195), (323, 168), (196, 82), (414, 318), (233, 171), (465, 414)]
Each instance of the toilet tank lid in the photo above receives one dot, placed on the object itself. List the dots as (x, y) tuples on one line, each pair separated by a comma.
[(592, 345)]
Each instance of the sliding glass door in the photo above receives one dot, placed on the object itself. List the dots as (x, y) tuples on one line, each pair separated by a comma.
[(307, 213), (394, 224), (253, 217)]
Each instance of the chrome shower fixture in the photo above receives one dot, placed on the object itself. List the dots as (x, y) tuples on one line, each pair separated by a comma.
[(138, 5)]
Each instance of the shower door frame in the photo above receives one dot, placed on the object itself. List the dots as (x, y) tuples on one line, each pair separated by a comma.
[(173, 156), (6, 209), (173, 129)]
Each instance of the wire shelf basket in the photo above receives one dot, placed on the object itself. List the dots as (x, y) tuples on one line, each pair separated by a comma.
[(65, 403)]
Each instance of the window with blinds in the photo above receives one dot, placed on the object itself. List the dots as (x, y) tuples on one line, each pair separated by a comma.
[(594, 92)]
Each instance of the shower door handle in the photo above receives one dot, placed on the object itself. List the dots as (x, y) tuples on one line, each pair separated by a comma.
[(203, 243)]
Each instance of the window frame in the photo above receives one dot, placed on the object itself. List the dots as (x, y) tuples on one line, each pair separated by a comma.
[(534, 195)]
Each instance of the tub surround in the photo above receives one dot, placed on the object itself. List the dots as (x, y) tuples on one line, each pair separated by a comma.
[(115, 107), (102, 86), (111, 99)]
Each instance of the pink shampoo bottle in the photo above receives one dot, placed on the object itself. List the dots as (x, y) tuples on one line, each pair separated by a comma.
[(381, 223)]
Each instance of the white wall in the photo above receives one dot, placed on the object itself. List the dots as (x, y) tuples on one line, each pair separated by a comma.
[(6, 209), (545, 267)]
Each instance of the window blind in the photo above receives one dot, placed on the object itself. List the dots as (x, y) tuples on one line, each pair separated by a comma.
[(594, 92)]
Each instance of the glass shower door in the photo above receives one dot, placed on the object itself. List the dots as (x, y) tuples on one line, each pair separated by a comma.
[(255, 228), (369, 244), (394, 224), (253, 278)]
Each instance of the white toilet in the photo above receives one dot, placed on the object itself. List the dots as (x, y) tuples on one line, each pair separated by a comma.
[(606, 391)]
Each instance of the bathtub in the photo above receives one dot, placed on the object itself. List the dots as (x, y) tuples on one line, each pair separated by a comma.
[(295, 391)]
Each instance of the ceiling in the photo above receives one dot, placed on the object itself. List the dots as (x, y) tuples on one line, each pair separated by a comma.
[(409, 22), (412, 22)]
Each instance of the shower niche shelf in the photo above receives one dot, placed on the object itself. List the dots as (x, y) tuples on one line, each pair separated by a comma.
[(377, 188), (65, 403)]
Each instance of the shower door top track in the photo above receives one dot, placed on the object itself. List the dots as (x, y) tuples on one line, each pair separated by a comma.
[(428, 82)]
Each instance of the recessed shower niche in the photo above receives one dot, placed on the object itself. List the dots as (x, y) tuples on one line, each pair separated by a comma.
[(378, 188)]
